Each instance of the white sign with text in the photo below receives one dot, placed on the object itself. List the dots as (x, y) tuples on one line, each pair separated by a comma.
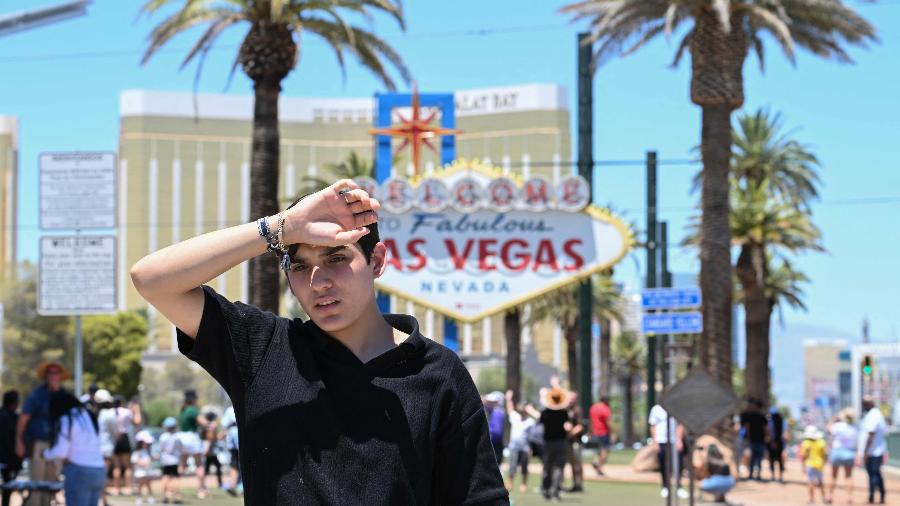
[(77, 275), (78, 190)]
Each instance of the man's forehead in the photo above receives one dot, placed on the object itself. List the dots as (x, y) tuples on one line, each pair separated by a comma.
[(306, 251)]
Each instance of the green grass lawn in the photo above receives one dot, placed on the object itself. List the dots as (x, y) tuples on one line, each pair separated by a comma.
[(607, 492), (631, 494), (621, 457)]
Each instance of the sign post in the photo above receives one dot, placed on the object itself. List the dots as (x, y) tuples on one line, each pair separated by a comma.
[(77, 273)]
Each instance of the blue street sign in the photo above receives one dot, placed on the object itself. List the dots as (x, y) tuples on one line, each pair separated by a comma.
[(670, 298), (672, 323)]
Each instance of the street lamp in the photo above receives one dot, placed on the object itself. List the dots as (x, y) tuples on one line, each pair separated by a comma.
[(25, 20)]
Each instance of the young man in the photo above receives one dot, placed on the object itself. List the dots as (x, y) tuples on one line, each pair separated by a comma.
[(351, 407)]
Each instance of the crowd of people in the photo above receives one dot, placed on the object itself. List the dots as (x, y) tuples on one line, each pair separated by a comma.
[(107, 448), (842, 445), (553, 434)]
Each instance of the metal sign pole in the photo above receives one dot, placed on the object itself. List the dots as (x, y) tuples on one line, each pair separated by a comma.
[(670, 437), (689, 443), (79, 353)]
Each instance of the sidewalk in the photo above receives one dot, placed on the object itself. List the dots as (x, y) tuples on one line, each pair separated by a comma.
[(750, 493)]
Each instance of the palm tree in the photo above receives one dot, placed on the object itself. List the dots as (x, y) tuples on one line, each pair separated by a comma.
[(512, 332), (762, 153), (762, 225), (628, 363), (774, 180), (351, 167), (562, 307), (267, 55), (720, 36)]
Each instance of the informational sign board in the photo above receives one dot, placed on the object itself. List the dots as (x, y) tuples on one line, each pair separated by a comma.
[(671, 298), (77, 275), (698, 401), (78, 190), (469, 242), (672, 323)]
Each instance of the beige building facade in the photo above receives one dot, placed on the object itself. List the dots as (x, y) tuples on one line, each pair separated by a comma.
[(9, 174), (184, 170)]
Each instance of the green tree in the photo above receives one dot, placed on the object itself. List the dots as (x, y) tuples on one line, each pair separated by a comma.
[(562, 306), (720, 35), (30, 338), (113, 345), (628, 364), (268, 53)]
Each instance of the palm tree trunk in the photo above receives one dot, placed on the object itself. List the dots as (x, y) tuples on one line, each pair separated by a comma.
[(627, 383), (751, 271), (264, 289), (571, 335), (715, 250), (512, 329), (605, 357)]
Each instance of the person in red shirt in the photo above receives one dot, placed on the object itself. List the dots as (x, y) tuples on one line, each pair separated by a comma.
[(599, 415)]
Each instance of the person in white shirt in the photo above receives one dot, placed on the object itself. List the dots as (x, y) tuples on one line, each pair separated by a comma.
[(74, 440), (170, 450), (873, 445), (842, 453), (519, 449), (660, 435), (141, 460)]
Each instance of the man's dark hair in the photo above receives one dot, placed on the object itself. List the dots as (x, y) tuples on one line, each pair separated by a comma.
[(366, 243), (10, 398), (604, 399)]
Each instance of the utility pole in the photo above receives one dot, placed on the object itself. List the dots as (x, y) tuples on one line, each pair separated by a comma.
[(585, 170), (666, 282), (651, 276)]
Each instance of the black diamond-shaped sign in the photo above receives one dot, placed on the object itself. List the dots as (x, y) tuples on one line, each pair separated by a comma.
[(698, 401)]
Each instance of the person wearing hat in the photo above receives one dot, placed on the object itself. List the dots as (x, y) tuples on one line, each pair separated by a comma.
[(141, 461), (842, 453), (554, 417), (108, 430), (170, 450), (33, 429), (351, 406), (814, 452)]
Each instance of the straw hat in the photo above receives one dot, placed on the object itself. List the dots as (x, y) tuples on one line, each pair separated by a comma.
[(847, 415), (812, 432), (41, 370), (555, 398)]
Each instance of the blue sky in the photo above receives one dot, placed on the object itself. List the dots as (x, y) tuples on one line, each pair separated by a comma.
[(63, 82)]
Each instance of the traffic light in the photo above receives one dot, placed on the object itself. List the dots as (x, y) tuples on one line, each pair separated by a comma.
[(867, 368)]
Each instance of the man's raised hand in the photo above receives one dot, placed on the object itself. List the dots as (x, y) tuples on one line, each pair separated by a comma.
[(334, 216)]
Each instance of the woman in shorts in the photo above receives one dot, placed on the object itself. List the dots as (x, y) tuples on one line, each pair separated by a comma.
[(844, 437)]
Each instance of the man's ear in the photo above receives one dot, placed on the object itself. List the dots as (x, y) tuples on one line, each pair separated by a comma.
[(379, 259)]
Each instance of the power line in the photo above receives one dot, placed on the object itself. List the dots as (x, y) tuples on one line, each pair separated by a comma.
[(468, 32)]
